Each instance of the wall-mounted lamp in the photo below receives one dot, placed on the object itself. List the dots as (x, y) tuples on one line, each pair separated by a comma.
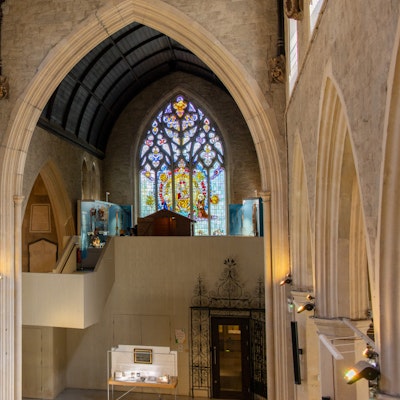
[(363, 369), (287, 281), (370, 353), (107, 194), (306, 307)]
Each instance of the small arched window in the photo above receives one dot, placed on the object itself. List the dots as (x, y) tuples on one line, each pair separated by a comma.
[(182, 167)]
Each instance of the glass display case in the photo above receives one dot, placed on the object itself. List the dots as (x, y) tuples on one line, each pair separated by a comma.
[(99, 219), (141, 367), (246, 219)]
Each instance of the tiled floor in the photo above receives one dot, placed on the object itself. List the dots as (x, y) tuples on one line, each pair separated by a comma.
[(78, 394)]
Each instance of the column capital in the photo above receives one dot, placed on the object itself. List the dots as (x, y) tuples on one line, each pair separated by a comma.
[(18, 199), (265, 196)]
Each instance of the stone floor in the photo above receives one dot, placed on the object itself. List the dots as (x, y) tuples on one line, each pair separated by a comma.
[(78, 394)]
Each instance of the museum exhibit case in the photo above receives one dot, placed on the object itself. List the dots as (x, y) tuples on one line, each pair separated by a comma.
[(147, 368)]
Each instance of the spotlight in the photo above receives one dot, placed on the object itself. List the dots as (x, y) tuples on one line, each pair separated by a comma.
[(306, 307), (370, 353), (362, 369), (288, 280)]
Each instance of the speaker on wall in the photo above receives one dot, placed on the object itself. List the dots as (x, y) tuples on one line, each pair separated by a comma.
[(296, 352)]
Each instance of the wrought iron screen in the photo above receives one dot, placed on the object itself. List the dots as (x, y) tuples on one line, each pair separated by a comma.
[(228, 299)]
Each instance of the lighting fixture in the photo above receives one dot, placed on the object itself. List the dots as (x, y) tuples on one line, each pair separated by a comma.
[(306, 307), (288, 280), (369, 352), (363, 369)]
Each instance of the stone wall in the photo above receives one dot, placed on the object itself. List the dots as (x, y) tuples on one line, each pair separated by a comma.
[(242, 165), (359, 69)]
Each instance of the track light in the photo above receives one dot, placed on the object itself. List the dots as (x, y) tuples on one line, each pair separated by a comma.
[(363, 369), (306, 307), (288, 280)]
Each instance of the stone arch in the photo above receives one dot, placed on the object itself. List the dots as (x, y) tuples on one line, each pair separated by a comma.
[(302, 264), (85, 181), (62, 209), (388, 277), (28, 107), (339, 223), (95, 182), (200, 102)]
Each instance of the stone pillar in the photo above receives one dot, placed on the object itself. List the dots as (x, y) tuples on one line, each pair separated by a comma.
[(8, 295), (389, 322), (269, 331), (18, 200), (280, 381)]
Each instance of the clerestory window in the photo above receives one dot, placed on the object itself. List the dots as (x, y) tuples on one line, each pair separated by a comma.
[(293, 53), (182, 167), (315, 8)]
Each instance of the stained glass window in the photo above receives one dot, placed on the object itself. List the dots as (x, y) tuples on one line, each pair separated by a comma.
[(182, 167)]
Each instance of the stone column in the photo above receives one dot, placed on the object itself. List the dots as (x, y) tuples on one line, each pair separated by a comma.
[(18, 200), (279, 376), (389, 322), (269, 331)]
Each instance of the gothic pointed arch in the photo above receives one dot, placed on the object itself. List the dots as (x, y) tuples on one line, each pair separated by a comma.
[(61, 206), (28, 107), (95, 181), (388, 274), (85, 180), (302, 265), (340, 245), (182, 165)]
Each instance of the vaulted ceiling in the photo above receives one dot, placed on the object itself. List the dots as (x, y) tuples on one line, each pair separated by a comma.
[(88, 101)]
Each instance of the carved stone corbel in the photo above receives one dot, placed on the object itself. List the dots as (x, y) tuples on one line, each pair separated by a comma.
[(277, 68), (294, 9), (4, 87)]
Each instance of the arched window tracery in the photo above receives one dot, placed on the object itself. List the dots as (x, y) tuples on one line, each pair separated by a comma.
[(182, 167)]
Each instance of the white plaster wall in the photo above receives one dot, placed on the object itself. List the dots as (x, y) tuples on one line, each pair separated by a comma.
[(154, 284)]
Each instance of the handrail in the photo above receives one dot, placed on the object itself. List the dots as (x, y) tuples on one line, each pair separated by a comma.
[(68, 257)]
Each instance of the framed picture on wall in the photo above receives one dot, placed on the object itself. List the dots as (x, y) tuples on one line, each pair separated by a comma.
[(143, 356)]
